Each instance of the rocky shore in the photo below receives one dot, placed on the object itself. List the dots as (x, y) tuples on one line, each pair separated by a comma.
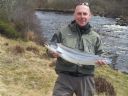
[(123, 21)]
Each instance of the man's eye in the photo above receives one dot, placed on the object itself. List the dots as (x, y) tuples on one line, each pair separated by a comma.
[(84, 13), (78, 13), (81, 13)]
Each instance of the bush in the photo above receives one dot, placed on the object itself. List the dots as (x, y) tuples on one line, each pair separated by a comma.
[(8, 30), (21, 17), (60, 4)]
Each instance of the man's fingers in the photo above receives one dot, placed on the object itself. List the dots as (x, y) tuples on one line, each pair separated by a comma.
[(101, 62), (54, 54)]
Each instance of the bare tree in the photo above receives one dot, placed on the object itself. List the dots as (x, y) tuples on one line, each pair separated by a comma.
[(21, 13)]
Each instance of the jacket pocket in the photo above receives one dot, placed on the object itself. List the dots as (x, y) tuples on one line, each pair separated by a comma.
[(70, 41), (88, 46), (87, 69)]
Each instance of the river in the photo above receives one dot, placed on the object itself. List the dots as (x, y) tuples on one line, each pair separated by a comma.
[(114, 37)]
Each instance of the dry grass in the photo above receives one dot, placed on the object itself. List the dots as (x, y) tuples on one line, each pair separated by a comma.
[(116, 81), (30, 36), (24, 74), (28, 73), (33, 49)]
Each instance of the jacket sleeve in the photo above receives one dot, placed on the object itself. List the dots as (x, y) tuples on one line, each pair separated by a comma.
[(57, 38)]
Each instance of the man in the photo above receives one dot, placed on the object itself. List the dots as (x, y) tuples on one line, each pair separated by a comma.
[(73, 78)]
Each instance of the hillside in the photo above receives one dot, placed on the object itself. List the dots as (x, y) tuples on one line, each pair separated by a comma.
[(25, 71)]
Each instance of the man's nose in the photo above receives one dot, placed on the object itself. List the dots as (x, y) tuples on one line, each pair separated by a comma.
[(82, 15)]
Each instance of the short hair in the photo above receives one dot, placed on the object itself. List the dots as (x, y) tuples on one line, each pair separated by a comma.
[(82, 3)]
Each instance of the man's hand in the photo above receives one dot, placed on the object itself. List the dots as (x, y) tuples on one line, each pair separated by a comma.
[(101, 62), (54, 54)]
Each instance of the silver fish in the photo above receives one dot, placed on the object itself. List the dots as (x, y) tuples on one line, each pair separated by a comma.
[(75, 56)]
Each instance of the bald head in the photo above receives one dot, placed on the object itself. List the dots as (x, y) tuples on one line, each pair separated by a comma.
[(82, 14)]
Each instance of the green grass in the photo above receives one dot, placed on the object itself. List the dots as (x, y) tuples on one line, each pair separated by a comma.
[(8, 30)]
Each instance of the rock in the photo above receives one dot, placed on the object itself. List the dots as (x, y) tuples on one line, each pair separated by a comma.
[(123, 21)]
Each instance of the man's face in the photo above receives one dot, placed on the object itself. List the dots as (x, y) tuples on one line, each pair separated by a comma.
[(82, 15)]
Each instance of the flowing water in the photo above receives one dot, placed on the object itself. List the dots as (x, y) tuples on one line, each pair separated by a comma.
[(114, 37)]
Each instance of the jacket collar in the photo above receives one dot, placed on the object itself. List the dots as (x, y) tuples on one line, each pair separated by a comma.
[(83, 30)]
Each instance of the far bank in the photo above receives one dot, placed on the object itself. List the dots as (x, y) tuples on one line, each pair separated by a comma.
[(114, 9)]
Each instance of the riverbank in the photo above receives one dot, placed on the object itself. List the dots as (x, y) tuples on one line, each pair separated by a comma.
[(69, 11), (25, 71)]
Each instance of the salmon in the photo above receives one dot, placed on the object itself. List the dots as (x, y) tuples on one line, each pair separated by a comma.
[(75, 56)]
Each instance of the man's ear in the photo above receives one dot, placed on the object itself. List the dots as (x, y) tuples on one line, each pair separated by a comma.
[(90, 15)]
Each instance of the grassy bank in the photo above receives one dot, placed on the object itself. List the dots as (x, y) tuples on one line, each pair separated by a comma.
[(25, 71)]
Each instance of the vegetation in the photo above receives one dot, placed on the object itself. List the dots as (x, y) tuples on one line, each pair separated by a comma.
[(8, 30), (25, 71), (20, 14), (58, 5), (113, 8)]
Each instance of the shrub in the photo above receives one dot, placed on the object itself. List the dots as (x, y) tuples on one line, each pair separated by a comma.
[(21, 14), (18, 49), (33, 49), (103, 86), (8, 30)]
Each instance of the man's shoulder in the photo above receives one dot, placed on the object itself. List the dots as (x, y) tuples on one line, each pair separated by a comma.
[(94, 33), (65, 29)]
